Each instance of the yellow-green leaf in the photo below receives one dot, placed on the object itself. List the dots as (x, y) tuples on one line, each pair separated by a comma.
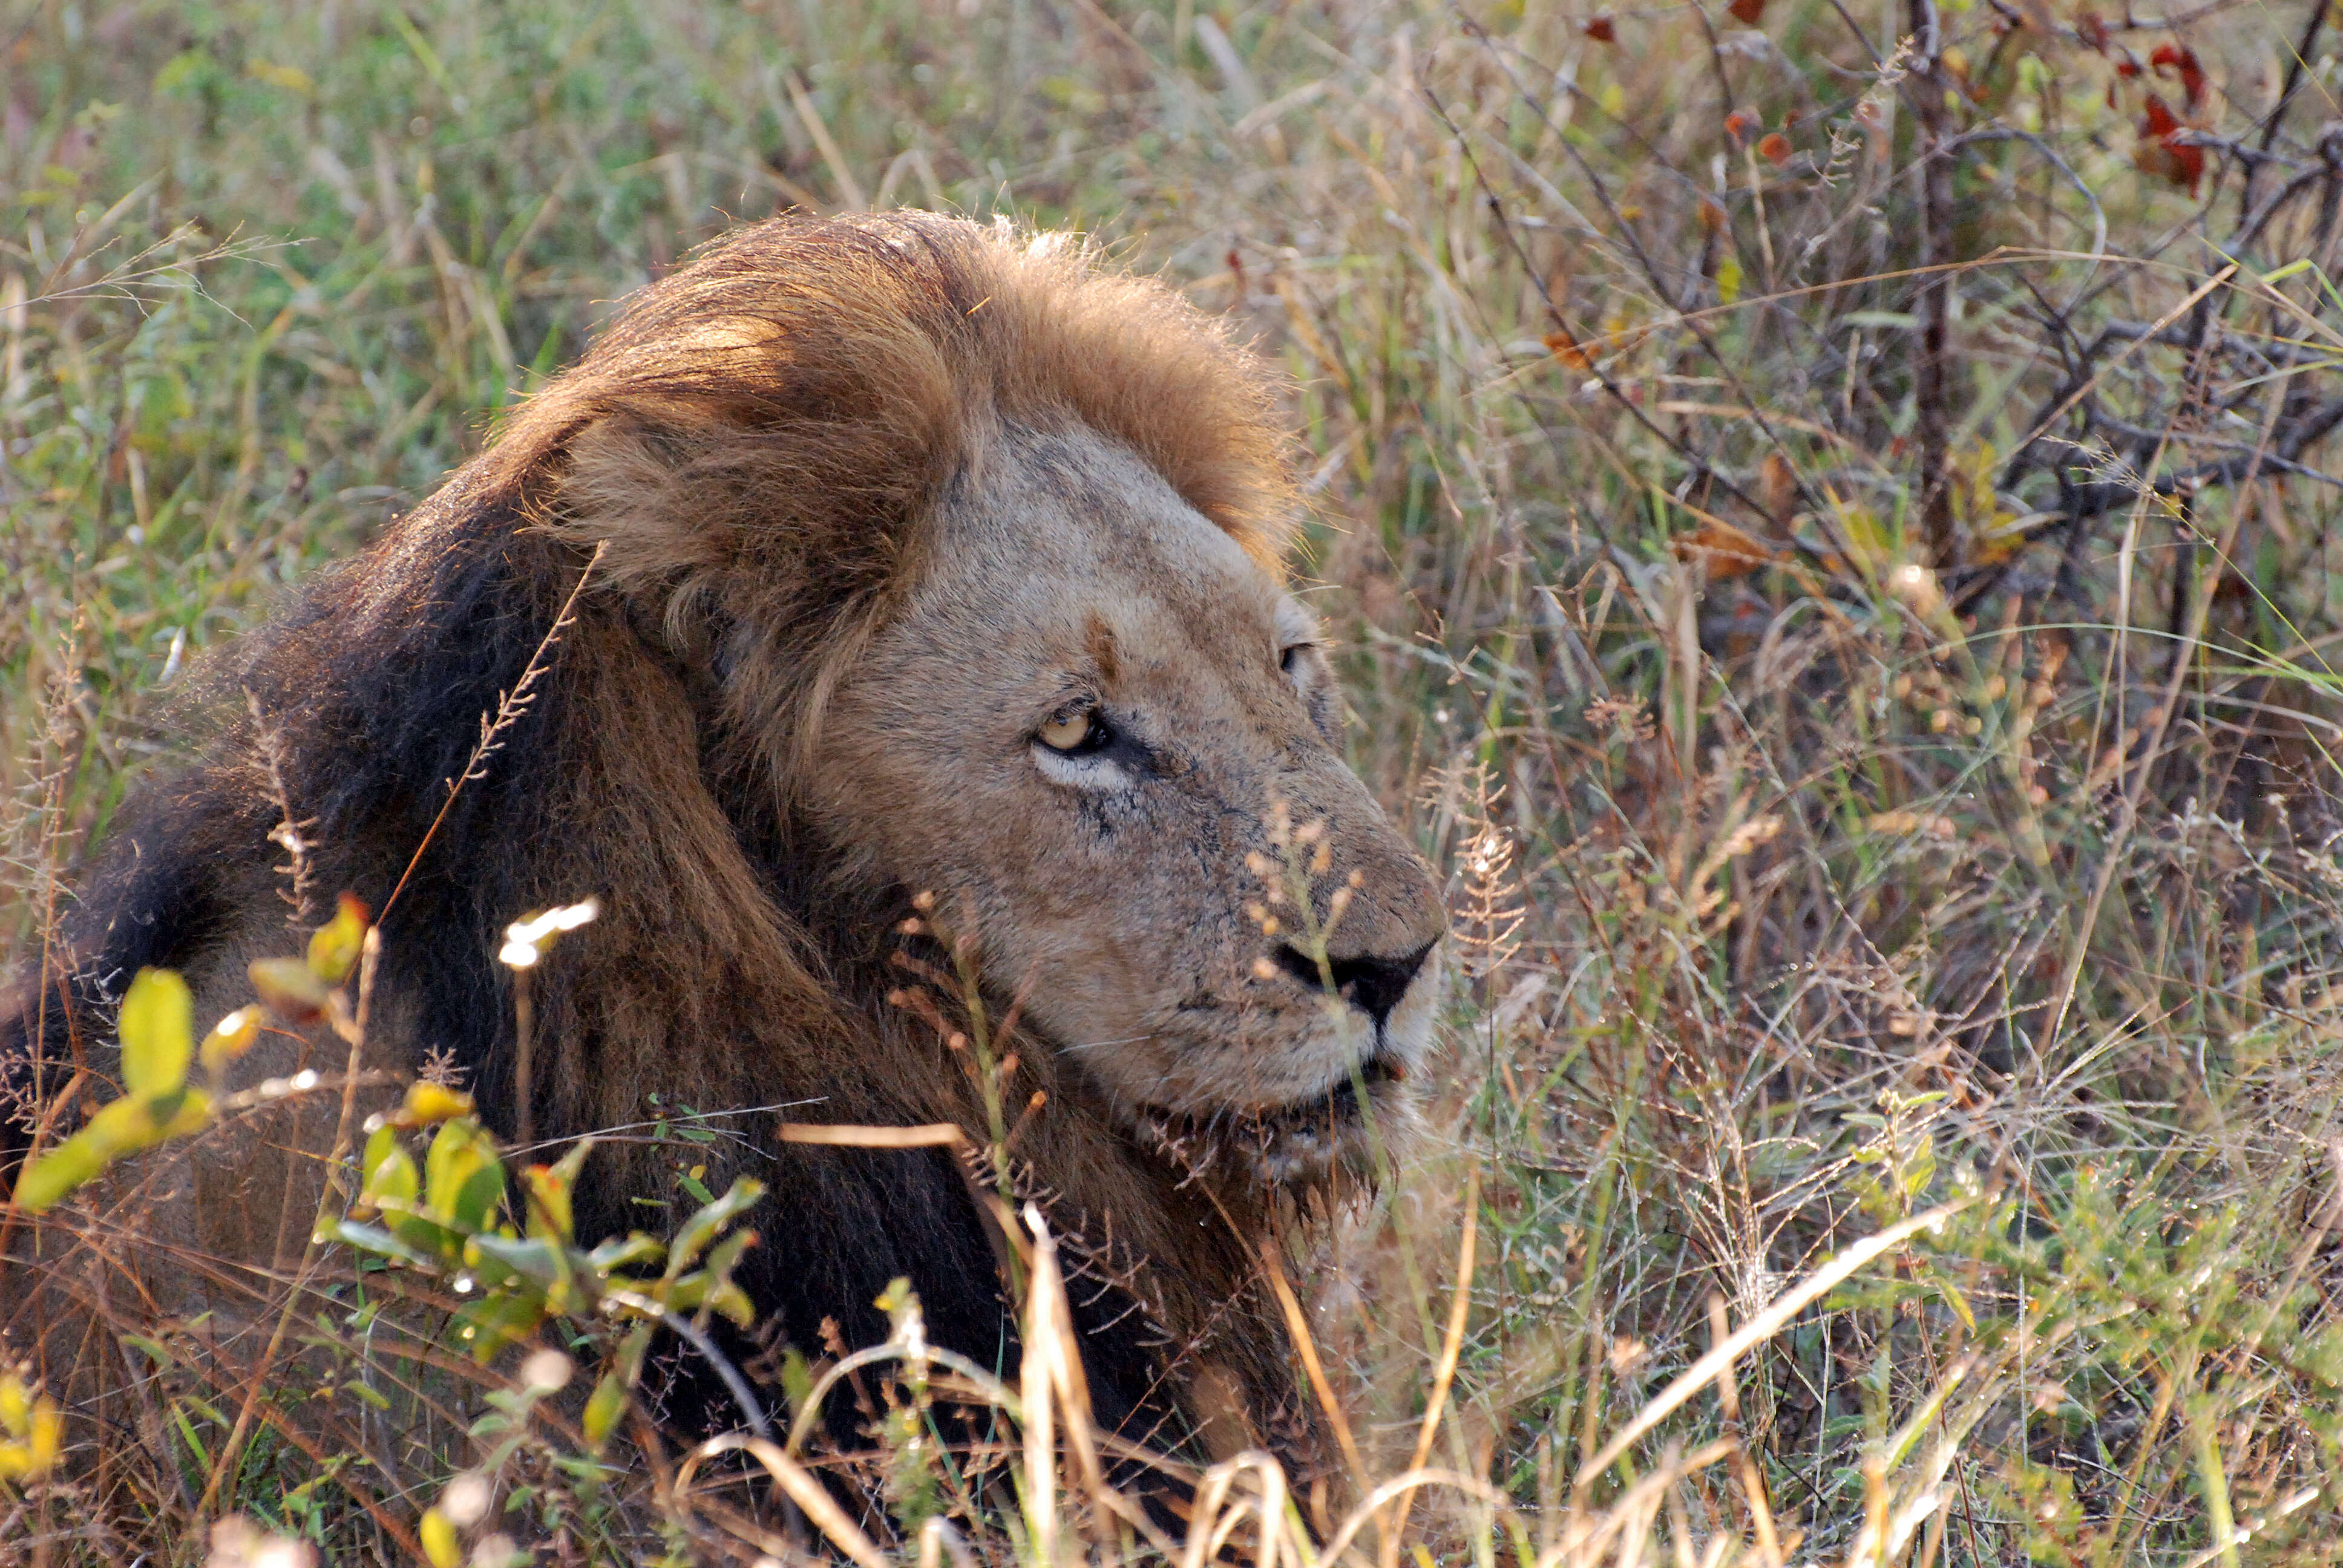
[(291, 991), (230, 1037), (124, 1127), (175, 1116), (334, 949), (158, 1034), (389, 1169), (427, 1102), (548, 1203), (1954, 1299), (292, 78), (733, 1302), (462, 1177), (48, 1438), (34, 1436), (49, 1180), (438, 1534), (604, 1409)]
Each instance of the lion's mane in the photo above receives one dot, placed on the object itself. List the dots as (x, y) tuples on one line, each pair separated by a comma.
[(755, 445)]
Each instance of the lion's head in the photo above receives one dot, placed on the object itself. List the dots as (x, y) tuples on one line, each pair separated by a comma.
[(1061, 684)]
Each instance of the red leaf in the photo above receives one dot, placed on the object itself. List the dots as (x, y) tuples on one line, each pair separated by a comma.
[(2127, 66), (1740, 125), (2091, 31), (1748, 13), (1775, 147), (1729, 552), (1600, 29), (2183, 61), (1564, 347), (2159, 120), (2159, 152)]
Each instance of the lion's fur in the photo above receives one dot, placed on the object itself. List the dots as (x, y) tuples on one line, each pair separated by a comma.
[(761, 448)]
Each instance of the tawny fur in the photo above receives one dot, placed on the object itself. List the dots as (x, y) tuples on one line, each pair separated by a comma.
[(866, 492)]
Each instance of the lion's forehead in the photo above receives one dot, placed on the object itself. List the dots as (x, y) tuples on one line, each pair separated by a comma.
[(1069, 523)]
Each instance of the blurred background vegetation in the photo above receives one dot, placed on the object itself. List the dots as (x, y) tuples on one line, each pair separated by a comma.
[(1825, 502)]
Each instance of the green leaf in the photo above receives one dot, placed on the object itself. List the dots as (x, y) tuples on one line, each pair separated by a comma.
[(462, 1177), (604, 1409), (797, 1379), (175, 1115), (704, 1226), (569, 1166), (158, 1034), (707, 1289), (1954, 1299), (511, 1256), (631, 1351), (151, 1349), (1728, 280), (184, 72), (624, 1252), (382, 1243), (733, 1302), (421, 1230), (479, 1199), (494, 1321)]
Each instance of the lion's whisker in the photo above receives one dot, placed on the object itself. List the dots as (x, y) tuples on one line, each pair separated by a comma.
[(1103, 1044)]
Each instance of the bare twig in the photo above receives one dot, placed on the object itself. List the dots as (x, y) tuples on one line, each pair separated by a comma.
[(510, 705)]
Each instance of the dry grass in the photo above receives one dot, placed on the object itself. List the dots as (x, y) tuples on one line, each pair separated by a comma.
[(1827, 518)]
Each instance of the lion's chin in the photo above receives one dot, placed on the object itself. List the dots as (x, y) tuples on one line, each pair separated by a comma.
[(1332, 1138)]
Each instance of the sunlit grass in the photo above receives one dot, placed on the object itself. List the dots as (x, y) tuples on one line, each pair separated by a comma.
[(1844, 845)]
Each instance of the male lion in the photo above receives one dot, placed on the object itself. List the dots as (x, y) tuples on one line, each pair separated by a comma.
[(936, 565)]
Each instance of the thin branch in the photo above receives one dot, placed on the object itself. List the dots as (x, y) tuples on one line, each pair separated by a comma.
[(510, 705)]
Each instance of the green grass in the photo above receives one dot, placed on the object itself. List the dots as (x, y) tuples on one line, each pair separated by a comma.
[(1836, 836)]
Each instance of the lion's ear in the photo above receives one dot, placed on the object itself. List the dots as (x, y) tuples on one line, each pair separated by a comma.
[(649, 487), (767, 511)]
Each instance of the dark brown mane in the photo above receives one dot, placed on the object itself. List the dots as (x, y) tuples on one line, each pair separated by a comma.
[(754, 446)]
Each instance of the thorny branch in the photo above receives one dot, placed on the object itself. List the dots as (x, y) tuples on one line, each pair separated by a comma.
[(2241, 401)]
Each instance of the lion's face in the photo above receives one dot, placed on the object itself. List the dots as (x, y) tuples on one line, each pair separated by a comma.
[(1078, 733)]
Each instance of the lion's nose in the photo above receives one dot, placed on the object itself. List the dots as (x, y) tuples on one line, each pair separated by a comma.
[(1373, 985)]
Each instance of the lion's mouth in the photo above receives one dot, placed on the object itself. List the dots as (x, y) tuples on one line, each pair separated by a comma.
[(1338, 1101), (1294, 1140)]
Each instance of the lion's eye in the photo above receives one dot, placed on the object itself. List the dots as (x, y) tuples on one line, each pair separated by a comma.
[(1072, 734)]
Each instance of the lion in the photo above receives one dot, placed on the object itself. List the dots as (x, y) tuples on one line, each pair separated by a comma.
[(919, 575)]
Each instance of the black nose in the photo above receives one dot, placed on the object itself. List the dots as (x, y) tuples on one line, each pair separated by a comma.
[(1371, 984)]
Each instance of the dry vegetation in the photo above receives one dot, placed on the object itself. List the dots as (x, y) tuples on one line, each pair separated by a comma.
[(1825, 503)]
